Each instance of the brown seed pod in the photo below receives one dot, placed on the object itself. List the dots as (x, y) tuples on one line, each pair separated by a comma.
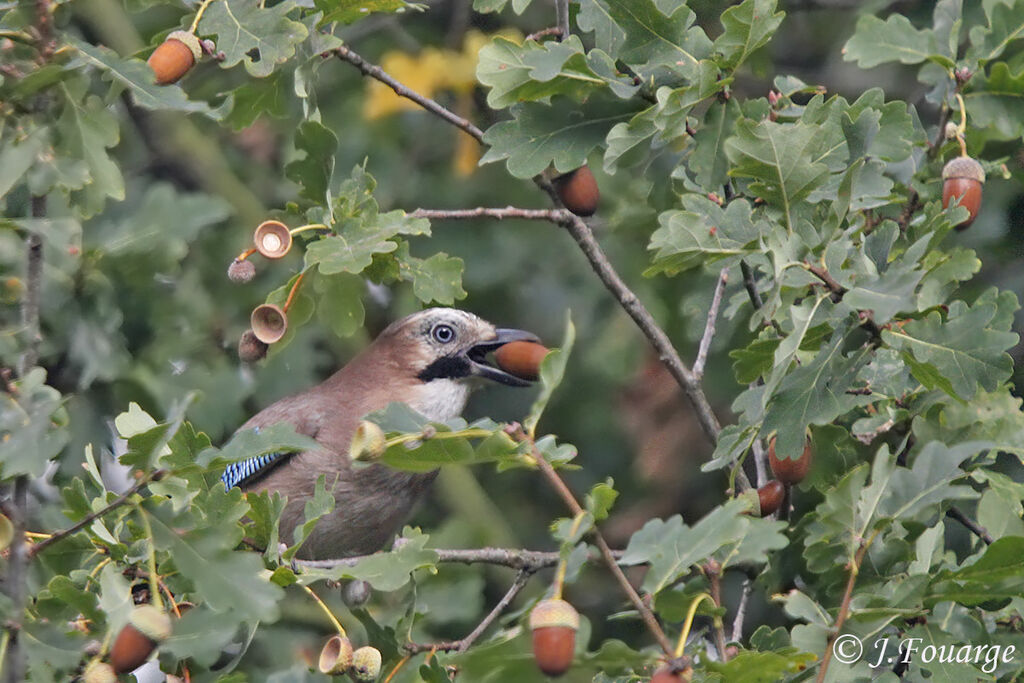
[(365, 664), (175, 56), (336, 655), (770, 497), (147, 627), (668, 674), (578, 191), (241, 271), (272, 239), (521, 358), (98, 672), (963, 178), (553, 624), (269, 323), (790, 471), (250, 348)]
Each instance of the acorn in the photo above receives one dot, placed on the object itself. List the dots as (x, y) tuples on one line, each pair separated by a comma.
[(250, 348), (147, 627), (365, 664), (368, 441), (672, 674), (241, 271), (521, 358), (578, 191), (770, 497), (98, 672), (272, 239), (269, 323), (336, 655), (356, 593), (789, 471), (962, 178), (174, 57), (553, 624)]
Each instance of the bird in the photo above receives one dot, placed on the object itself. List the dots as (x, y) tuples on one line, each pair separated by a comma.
[(429, 360)]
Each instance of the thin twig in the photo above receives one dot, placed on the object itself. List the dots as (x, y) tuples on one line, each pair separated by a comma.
[(374, 71), (714, 574), (527, 560), (570, 501), (844, 607), (970, 524), (760, 461), (157, 475), (550, 31), (465, 643), (14, 664), (741, 611), (709, 326), (33, 288), (751, 285), (553, 215), (562, 15)]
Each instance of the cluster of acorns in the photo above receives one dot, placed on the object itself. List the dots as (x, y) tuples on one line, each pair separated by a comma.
[(147, 627), (337, 657), (787, 472)]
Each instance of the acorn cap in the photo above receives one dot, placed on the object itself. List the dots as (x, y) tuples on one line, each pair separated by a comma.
[(366, 663), (189, 40), (269, 323), (241, 271), (336, 655), (963, 167), (368, 441), (272, 239), (152, 622), (98, 672), (554, 612), (250, 348)]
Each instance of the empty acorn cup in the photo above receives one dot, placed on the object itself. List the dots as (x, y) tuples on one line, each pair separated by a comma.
[(273, 239), (336, 656), (269, 323)]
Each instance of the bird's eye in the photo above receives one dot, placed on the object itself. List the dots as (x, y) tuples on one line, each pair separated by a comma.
[(443, 333)]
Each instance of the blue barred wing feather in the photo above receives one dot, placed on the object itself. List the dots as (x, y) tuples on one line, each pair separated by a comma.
[(250, 469)]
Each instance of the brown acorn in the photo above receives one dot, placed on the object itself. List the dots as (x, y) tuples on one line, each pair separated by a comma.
[(770, 497), (175, 56), (521, 358), (578, 191), (250, 348), (147, 627), (365, 664), (272, 239), (98, 672), (269, 323), (336, 655), (962, 178), (241, 271), (790, 471), (553, 624), (670, 674)]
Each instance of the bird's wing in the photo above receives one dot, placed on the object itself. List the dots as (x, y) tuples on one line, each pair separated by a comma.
[(247, 471)]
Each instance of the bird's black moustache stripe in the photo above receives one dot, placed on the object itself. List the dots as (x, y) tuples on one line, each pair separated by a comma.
[(446, 367)]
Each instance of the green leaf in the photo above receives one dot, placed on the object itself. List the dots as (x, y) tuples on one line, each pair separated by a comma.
[(996, 101), (351, 250), (996, 576), (248, 443), (708, 160), (351, 11), (316, 506), (600, 500), (313, 171), (654, 44), (386, 571), (963, 350), (436, 279), (535, 71), (876, 42), (703, 234), (552, 370), (18, 156), (340, 302), (762, 667), (748, 26), (270, 95), (1006, 25), (776, 157), (138, 77), (85, 129), (33, 426), (562, 134), (260, 37)]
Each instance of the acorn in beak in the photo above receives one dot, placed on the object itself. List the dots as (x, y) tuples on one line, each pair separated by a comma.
[(504, 373)]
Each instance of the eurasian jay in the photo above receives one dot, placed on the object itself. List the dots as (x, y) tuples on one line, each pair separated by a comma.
[(427, 360)]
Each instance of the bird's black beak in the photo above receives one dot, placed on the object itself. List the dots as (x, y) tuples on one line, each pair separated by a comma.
[(477, 356)]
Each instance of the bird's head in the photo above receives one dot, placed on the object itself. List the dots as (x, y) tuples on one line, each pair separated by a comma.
[(445, 343)]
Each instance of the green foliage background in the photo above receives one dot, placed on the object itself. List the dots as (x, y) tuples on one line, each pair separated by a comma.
[(141, 195)]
